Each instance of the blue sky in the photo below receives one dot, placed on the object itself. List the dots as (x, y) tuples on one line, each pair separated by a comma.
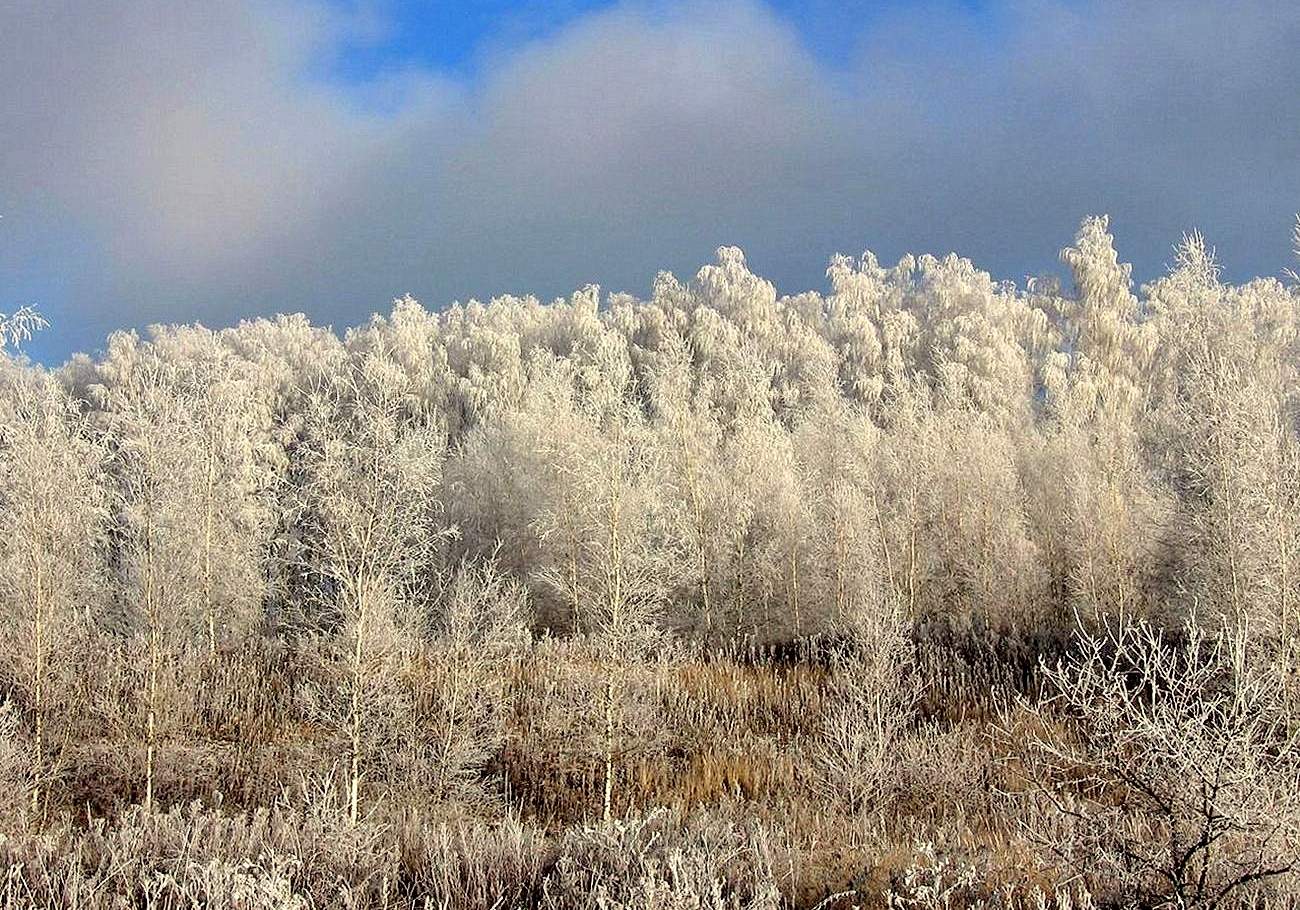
[(452, 37), (212, 160), (456, 37)]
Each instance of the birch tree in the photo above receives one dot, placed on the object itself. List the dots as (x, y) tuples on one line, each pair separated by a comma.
[(223, 469), (371, 470), (478, 626), (53, 518), (1227, 419), (691, 440), (19, 326), (158, 608), (785, 540), (625, 566), (746, 459), (907, 467), (835, 450)]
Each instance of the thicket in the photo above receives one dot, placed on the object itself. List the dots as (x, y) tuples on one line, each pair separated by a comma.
[(927, 591)]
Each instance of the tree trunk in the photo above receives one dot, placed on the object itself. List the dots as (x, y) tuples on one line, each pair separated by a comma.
[(209, 608), (607, 813), (358, 654), (151, 723), (38, 685), (794, 588)]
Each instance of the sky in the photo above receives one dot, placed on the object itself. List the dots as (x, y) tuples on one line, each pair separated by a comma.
[(214, 160)]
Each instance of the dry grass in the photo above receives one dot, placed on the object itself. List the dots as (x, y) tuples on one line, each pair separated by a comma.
[(715, 783)]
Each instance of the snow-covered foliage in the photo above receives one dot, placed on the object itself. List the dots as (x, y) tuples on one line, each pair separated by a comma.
[(269, 547)]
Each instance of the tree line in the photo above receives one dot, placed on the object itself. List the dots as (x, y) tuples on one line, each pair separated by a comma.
[(920, 448)]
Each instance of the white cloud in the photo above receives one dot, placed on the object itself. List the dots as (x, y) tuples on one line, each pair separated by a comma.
[(206, 174)]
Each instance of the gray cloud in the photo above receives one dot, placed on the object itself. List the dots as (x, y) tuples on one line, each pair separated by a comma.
[(172, 161)]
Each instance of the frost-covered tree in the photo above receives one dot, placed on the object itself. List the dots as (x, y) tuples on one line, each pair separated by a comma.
[(986, 567), (19, 326), (1169, 768), (864, 296), (691, 439), (625, 563), (745, 470), (907, 469), (1105, 521), (873, 693), (515, 490), (158, 608), (228, 427), (53, 519), (783, 551), (224, 472), (1227, 417), (835, 451), (1104, 336), (477, 628), (368, 509), (973, 338)]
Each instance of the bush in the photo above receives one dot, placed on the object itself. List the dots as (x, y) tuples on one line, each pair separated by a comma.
[(1170, 769)]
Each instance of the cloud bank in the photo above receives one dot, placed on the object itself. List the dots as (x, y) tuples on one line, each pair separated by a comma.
[(179, 160)]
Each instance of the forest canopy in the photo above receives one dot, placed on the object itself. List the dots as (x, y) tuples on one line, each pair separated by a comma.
[(921, 433)]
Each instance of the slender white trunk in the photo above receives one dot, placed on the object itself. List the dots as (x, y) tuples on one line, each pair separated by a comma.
[(38, 683), (794, 588), (358, 655), (152, 612), (610, 691), (209, 608)]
